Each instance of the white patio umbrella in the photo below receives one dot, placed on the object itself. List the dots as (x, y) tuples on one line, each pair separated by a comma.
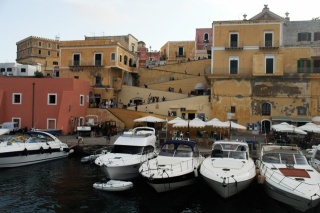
[(233, 125), (194, 123), (175, 120), (285, 127), (310, 127), (316, 119), (150, 119), (215, 122)]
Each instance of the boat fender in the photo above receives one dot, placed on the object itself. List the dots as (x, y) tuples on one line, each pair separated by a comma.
[(261, 179), (25, 152), (50, 151), (257, 171), (195, 172), (41, 150), (224, 184)]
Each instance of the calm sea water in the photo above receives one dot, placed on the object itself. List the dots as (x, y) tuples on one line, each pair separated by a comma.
[(66, 186)]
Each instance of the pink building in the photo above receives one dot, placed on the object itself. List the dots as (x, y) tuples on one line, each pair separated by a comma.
[(44, 103), (203, 42), (147, 56)]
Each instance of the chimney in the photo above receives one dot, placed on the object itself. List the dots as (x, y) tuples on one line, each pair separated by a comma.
[(244, 17), (287, 18)]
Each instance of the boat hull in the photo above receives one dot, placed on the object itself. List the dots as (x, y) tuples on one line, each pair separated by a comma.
[(164, 184), (291, 199), (124, 172), (16, 161), (227, 190)]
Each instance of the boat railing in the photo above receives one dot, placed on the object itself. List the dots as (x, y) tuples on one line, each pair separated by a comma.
[(291, 183), (140, 157), (185, 165)]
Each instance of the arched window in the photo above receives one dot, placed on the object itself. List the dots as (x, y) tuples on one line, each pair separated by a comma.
[(266, 109), (125, 60), (206, 38)]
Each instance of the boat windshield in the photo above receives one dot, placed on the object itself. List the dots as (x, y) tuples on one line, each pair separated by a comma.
[(127, 149), (285, 158), (217, 153), (177, 151)]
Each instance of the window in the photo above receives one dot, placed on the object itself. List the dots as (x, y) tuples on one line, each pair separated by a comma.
[(304, 66), (51, 123), (39, 43), (98, 59), (17, 122), (206, 38), (233, 40), (316, 36), (125, 60), (180, 51), (233, 65), (16, 98), (269, 62), (233, 109), (52, 99), (81, 100), (2, 69), (304, 36), (39, 52), (58, 54), (76, 77), (9, 69), (316, 66), (120, 58), (266, 109), (76, 59), (49, 52), (132, 48), (55, 63), (49, 45), (98, 80), (113, 56), (302, 110), (23, 69), (268, 39)]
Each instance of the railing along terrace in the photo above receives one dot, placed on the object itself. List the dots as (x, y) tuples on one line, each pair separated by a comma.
[(180, 55), (85, 63)]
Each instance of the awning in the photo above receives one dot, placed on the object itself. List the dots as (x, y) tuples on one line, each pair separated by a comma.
[(287, 118)]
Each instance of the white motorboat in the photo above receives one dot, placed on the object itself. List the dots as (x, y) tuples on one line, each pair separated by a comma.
[(176, 166), (288, 177), (130, 150), (230, 169), (30, 148), (113, 185)]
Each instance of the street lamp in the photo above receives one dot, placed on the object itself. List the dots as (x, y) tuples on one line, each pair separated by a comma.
[(150, 54)]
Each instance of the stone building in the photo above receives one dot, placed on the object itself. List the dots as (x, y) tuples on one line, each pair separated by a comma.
[(265, 70), (39, 51)]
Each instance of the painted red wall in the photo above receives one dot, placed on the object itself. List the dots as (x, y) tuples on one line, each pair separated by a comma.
[(68, 92)]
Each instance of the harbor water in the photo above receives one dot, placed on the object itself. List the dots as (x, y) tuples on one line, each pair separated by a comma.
[(65, 186)]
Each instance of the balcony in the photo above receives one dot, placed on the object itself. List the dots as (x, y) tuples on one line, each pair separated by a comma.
[(85, 63), (234, 45), (268, 45), (181, 55)]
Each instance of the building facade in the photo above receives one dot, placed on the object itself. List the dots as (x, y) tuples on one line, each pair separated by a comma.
[(36, 50), (44, 103), (104, 63), (265, 70), (178, 51), (15, 69), (203, 43)]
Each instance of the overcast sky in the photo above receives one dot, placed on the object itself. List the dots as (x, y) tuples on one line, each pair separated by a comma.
[(153, 21)]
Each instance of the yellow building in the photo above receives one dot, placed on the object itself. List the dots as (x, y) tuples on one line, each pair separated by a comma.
[(265, 70), (39, 51), (178, 51), (105, 63)]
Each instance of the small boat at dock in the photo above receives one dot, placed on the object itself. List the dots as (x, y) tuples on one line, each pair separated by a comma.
[(113, 185)]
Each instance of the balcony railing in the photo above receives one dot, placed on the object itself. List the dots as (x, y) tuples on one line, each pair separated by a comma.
[(179, 55), (234, 45), (85, 63), (269, 45)]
